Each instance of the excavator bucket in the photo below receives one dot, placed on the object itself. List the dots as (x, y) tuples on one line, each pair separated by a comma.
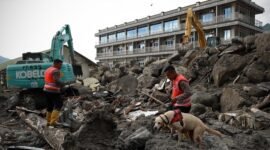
[(77, 69)]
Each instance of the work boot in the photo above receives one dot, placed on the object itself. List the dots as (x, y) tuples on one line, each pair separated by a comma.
[(54, 117), (48, 117)]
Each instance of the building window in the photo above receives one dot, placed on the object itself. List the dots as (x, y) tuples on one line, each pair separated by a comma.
[(121, 36), (131, 33), (206, 18), (227, 34), (130, 47), (169, 42), (171, 26), (118, 50), (112, 38), (142, 45), (143, 31), (153, 43), (156, 28), (140, 62), (207, 35), (103, 39), (228, 13)]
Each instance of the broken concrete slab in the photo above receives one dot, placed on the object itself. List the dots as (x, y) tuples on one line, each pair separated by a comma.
[(54, 136)]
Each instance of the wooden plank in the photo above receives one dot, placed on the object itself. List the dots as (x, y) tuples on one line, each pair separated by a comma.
[(53, 136)]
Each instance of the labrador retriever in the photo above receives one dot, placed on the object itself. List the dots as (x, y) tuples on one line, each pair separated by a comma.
[(188, 123)]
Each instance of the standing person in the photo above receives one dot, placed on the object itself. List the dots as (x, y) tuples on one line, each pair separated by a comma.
[(52, 89), (181, 92)]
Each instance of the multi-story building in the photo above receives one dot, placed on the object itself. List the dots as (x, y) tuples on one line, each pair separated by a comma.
[(159, 35)]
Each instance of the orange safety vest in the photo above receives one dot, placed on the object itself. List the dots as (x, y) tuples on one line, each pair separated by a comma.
[(176, 91), (50, 84)]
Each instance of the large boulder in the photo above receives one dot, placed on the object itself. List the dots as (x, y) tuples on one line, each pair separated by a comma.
[(111, 75), (126, 85), (146, 81), (182, 70), (161, 96), (197, 109), (155, 69), (255, 72), (136, 69), (259, 70), (232, 99), (207, 99), (137, 139), (253, 90), (227, 66), (236, 47), (249, 42), (262, 42)]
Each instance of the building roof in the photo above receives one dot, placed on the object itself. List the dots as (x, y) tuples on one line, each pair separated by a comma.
[(175, 12), (14, 61)]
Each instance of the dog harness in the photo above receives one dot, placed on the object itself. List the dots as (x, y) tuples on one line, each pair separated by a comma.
[(176, 117)]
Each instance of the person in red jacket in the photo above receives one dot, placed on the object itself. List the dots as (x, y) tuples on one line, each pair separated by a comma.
[(181, 92), (52, 90)]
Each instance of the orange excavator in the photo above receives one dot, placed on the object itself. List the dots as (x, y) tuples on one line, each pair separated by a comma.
[(192, 20)]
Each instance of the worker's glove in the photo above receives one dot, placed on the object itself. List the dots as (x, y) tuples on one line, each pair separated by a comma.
[(169, 106), (68, 82), (177, 104)]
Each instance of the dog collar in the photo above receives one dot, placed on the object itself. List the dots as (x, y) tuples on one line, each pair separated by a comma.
[(167, 121)]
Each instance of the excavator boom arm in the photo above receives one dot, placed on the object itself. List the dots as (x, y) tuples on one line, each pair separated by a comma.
[(58, 41), (192, 20)]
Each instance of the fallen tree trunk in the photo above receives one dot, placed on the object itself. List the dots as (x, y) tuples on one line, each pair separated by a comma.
[(253, 119), (264, 104), (53, 136), (155, 99)]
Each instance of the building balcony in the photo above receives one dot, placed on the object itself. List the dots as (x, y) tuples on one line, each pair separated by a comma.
[(258, 23), (146, 51)]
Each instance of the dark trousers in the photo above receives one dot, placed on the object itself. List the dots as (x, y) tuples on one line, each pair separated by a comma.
[(183, 109), (54, 101)]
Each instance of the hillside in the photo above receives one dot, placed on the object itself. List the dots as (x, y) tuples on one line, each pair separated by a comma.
[(266, 27), (3, 59)]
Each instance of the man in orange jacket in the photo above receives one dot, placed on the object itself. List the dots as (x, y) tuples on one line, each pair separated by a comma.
[(180, 96), (181, 92), (52, 89)]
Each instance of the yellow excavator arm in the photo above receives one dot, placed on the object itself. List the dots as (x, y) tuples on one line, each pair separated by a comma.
[(193, 20)]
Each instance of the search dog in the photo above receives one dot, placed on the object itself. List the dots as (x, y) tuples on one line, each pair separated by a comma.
[(188, 123)]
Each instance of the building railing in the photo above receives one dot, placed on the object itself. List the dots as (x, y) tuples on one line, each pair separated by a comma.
[(145, 50), (258, 23)]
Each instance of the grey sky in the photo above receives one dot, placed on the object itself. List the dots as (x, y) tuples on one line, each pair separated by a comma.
[(29, 25)]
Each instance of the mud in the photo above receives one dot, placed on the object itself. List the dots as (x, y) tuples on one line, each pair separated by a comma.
[(98, 133), (13, 131)]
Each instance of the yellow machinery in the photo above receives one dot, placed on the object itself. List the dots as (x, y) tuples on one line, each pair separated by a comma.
[(193, 20)]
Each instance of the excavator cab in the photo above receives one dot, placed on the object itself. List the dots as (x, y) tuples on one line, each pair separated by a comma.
[(213, 41)]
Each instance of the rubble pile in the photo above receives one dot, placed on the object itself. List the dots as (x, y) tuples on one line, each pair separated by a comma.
[(116, 107)]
